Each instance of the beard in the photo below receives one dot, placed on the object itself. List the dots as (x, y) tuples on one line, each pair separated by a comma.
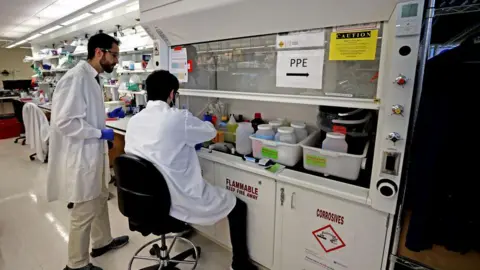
[(107, 66)]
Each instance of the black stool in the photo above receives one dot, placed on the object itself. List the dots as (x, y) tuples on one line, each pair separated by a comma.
[(143, 197)]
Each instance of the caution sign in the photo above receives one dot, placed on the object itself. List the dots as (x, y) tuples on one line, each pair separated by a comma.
[(329, 239), (353, 46)]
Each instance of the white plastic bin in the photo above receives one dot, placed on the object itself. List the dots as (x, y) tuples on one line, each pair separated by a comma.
[(329, 162), (283, 153)]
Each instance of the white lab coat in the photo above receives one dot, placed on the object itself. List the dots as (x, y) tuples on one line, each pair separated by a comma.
[(78, 159), (36, 129), (167, 137)]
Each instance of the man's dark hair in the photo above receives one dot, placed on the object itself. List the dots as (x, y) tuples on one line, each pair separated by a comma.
[(102, 41), (159, 84)]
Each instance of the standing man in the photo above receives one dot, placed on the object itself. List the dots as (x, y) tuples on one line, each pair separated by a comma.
[(78, 167)]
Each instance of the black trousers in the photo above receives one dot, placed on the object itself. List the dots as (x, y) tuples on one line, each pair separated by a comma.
[(237, 220)]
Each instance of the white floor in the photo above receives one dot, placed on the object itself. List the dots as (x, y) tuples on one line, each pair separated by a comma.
[(34, 234)]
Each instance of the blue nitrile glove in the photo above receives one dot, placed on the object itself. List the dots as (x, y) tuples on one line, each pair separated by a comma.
[(118, 112), (198, 146), (107, 134)]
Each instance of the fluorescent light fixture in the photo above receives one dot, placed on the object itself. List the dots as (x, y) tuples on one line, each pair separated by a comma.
[(33, 37), (16, 44), (109, 5), (56, 27), (76, 19)]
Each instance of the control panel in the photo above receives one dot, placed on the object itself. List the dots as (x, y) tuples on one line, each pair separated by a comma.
[(403, 35), (409, 18)]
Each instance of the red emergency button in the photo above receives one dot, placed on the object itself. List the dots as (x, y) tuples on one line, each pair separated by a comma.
[(401, 80)]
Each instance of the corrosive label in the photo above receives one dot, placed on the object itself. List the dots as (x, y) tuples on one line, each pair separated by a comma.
[(330, 216), (358, 45), (242, 189), (329, 239)]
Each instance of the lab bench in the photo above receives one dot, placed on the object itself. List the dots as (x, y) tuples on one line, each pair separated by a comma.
[(296, 220)]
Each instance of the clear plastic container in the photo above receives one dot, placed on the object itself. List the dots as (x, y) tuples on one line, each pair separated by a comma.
[(265, 132), (286, 135), (300, 130), (243, 143), (275, 125), (335, 142)]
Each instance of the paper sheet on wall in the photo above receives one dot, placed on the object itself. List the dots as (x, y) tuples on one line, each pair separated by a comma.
[(353, 46), (301, 39), (300, 69), (179, 64)]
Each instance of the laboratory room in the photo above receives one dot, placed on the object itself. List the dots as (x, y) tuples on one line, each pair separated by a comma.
[(177, 134)]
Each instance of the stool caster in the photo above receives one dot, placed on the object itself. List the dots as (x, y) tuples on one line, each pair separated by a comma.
[(32, 158), (23, 142)]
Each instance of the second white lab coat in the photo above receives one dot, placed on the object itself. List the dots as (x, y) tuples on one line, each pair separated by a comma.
[(78, 161), (36, 129), (167, 137)]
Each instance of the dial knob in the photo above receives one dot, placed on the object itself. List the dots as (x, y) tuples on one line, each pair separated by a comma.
[(401, 80), (397, 109), (394, 137)]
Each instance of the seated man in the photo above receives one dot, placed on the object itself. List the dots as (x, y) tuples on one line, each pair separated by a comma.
[(167, 137)]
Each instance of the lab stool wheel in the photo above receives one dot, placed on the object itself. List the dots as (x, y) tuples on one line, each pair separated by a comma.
[(23, 142), (161, 254), (32, 157)]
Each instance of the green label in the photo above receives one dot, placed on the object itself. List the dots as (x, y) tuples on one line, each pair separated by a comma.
[(316, 161), (269, 153)]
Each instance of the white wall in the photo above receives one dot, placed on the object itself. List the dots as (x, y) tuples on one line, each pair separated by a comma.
[(12, 61)]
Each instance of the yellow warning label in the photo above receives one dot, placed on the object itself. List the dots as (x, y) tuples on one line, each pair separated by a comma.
[(353, 46), (281, 44)]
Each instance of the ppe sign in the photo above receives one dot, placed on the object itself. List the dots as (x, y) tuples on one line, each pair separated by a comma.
[(300, 69)]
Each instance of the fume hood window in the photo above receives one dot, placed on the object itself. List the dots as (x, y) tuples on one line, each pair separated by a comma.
[(250, 65)]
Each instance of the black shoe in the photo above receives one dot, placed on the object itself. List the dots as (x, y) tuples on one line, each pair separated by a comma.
[(115, 244), (87, 267), (70, 205), (243, 266)]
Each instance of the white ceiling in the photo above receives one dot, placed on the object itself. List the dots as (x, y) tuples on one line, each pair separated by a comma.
[(20, 17)]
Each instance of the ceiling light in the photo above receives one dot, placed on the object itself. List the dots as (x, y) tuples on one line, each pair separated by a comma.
[(16, 44), (76, 19), (51, 29), (109, 5), (33, 37)]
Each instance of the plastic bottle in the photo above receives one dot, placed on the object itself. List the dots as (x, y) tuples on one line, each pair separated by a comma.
[(243, 143), (257, 121), (41, 97), (335, 142), (275, 125), (232, 124), (264, 132), (286, 135), (300, 130)]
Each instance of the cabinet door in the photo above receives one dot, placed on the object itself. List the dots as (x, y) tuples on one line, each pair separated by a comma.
[(258, 193), (324, 232), (208, 173)]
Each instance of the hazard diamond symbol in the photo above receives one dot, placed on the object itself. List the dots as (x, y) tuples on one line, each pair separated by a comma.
[(328, 238)]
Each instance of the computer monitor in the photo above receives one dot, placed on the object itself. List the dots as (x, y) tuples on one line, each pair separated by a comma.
[(17, 84)]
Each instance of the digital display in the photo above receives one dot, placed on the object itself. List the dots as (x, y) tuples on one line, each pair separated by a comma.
[(409, 10)]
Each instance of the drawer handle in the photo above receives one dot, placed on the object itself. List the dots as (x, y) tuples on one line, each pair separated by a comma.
[(292, 206)]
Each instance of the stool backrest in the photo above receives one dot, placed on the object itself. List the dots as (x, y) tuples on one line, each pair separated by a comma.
[(143, 194)]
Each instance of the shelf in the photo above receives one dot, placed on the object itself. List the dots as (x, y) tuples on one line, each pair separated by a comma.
[(122, 71), (141, 92), (110, 86), (56, 70), (283, 98)]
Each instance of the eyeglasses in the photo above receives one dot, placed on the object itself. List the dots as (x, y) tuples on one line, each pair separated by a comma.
[(114, 54)]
